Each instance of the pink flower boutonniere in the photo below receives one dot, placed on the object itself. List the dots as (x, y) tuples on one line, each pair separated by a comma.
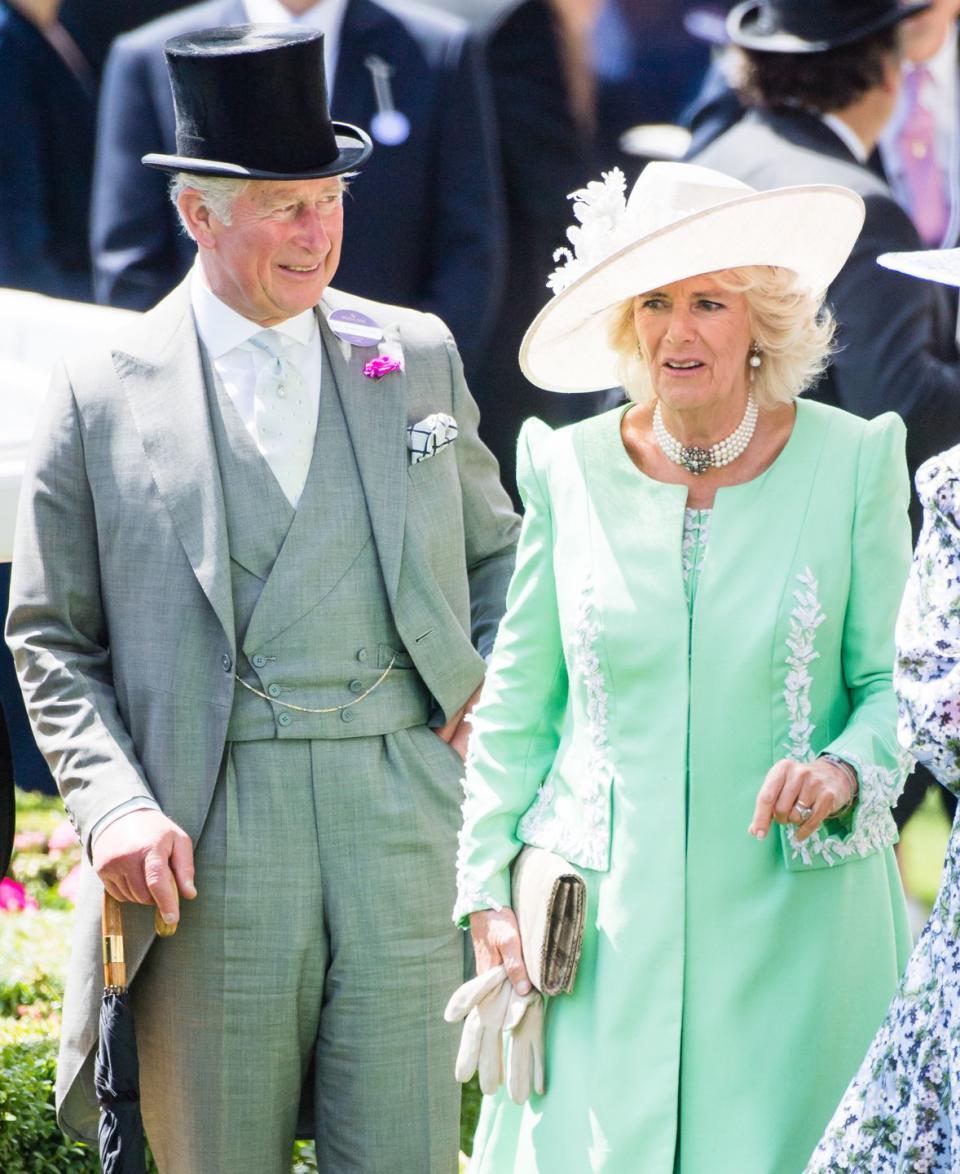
[(382, 365)]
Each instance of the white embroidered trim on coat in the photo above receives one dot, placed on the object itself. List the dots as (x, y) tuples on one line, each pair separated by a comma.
[(805, 618), (587, 845), (873, 819), (471, 892)]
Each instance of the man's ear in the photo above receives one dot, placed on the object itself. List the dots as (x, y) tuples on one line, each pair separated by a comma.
[(197, 217)]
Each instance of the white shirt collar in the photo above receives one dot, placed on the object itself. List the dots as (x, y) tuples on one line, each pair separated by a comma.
[(222, 329), (325, 15), (848, 136), (943, 64)]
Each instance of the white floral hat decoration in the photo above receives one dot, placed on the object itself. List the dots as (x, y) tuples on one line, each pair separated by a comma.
[(680, 220)]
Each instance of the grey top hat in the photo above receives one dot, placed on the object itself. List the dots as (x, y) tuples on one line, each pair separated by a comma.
[(812, 26), (251, 102)]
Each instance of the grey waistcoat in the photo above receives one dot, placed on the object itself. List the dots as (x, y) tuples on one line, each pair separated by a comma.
[(314, 626)]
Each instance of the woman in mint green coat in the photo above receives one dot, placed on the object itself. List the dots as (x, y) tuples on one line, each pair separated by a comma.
[(690, 696)]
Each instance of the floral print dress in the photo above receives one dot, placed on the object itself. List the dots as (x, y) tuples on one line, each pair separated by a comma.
[(901, 1112)]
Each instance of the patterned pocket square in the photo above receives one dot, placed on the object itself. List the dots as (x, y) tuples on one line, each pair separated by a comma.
[(430, 435)]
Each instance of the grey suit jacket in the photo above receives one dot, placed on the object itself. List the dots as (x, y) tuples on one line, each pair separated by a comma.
[(121, 618)]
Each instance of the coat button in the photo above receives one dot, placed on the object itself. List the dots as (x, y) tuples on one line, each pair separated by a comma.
[(361, 654), (274, 690), (355, 687), (258, 661), (284, 719), (346, 715), (226, 662)]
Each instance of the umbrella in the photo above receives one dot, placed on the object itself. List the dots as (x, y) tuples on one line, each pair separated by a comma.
[(117, 1072)]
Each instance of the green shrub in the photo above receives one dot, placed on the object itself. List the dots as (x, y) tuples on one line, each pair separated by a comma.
[(30, 1139)]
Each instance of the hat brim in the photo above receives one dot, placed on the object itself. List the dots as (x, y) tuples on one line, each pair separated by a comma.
[(743, 18), (809, 230), (354, 149), (942, 265)]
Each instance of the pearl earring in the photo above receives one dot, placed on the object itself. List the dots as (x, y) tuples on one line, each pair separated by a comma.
[(756, 359)]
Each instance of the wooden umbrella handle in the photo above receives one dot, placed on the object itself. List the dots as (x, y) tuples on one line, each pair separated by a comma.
[(111, 921), (160, 927), (114, 963)]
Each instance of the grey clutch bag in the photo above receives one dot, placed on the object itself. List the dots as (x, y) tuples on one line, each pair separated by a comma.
[(550, 902)]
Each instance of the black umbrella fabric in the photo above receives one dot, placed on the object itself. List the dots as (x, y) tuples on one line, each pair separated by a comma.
[(117, 1071)]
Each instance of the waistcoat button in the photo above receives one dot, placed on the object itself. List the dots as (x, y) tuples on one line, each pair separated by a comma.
[(361, 654), (284, 719), (273, 690), (258, 661), (346, 715), (355, 686)]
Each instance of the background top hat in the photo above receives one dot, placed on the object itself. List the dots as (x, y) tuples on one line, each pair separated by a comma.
[(251, 102), (812, 26)]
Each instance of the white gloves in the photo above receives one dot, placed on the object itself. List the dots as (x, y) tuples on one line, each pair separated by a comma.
[(525, 1060), (491, 1006)]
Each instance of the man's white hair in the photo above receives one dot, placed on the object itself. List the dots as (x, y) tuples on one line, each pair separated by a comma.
[(218, 192)]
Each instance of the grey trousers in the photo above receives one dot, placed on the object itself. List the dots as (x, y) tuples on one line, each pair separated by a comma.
[(321, 936)]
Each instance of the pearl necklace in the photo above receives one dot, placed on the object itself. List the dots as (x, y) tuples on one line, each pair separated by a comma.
[(697, 460)]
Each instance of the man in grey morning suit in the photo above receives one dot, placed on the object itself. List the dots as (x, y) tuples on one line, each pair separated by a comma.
[(238, 608)]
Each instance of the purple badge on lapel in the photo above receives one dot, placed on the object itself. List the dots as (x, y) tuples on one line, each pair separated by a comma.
[(355, 328)]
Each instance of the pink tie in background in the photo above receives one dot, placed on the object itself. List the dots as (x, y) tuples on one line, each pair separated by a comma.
[(923, 176)]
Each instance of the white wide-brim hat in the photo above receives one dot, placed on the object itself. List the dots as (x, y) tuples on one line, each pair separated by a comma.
[(679, 221), (941, 265)]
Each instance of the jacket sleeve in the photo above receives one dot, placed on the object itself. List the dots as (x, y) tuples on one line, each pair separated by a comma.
[(880, 560), (133, 232), (516, 723), (57, 630), (927, 673), (891, 356), (490, 525), (464, 266)]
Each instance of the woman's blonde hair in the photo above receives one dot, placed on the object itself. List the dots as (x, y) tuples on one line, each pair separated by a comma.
[(793, 330)]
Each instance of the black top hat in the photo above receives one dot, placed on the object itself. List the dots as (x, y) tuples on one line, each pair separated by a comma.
[(251, 102), (812, 26)]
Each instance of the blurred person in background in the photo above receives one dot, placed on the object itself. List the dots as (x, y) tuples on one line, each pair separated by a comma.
[(48, 99)]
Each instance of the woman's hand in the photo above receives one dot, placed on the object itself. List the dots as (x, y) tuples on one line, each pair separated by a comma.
[(496, 940), (802, 793)]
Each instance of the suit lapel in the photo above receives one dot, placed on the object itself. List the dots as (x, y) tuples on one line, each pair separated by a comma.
[(162, 377), (376, 416)]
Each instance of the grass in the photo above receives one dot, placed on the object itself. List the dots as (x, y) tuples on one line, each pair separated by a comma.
[(922, 849)]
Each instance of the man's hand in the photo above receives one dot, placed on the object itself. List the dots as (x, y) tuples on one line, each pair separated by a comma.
[(145, 858), (456, 732)]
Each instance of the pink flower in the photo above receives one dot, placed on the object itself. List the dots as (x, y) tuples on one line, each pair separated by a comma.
[(381, 365), (63, 836), (69, 887), (26, 841), (14, 898)]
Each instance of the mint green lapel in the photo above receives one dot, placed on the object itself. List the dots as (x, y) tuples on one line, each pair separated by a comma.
[(162, 377), (376, 416)]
